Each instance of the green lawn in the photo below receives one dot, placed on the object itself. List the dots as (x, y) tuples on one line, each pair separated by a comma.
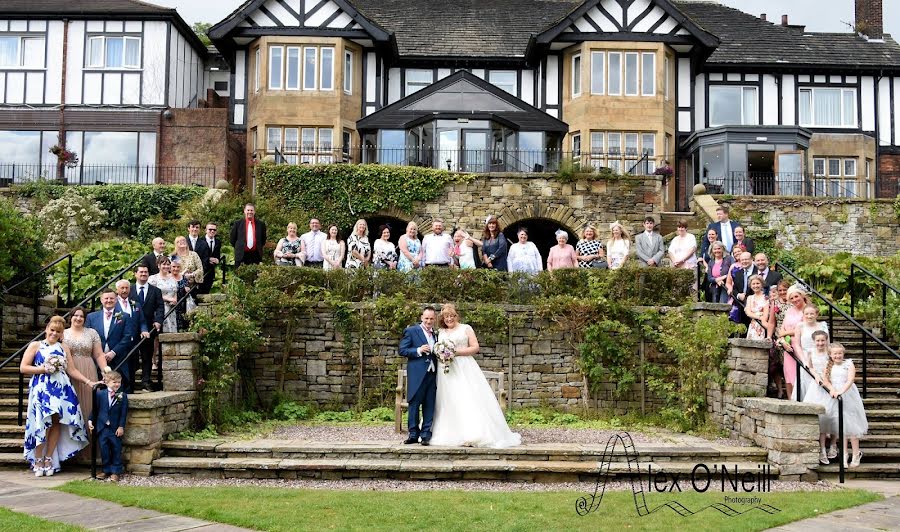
[(16, 522), (297, 509)]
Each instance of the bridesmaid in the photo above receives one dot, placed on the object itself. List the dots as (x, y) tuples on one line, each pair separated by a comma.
[(798, 299), (87, 356)]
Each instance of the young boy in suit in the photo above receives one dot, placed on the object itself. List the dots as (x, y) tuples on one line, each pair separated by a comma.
[(110, 411)]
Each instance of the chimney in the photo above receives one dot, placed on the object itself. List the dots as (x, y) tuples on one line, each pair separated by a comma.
[(762, 17), (784, 20), (869, 18)]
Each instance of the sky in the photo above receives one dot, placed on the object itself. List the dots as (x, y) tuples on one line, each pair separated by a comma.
[(818, 15)]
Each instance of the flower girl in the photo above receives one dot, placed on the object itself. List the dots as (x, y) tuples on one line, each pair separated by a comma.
[(818, 360), (839, 375)]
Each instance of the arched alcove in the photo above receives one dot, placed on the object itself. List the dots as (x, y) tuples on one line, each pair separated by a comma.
[(397, 227), (541, 231)]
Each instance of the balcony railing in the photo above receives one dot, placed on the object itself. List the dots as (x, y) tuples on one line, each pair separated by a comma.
[(786, 184), (14, 173), (473, 160)]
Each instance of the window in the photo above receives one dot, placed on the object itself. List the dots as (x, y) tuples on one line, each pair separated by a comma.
[(576, 145), (827, 107), (309, 68), (291, 144), (648, 148), (417, 80), (834, 167), (273, 139), (21, 147), (732, 105), (818, 167), (849, 167), (668, 77), (276, 58), (598, 72), (256, 68), (631, 74), (313, 146), (19, 51), (326, 74), (597, 159), (631, 144), (505, 79), (348, 72), (576, 75), (293, 68), (615, 73), (346, 140), (648, 74), (614, 150), (114, 52)]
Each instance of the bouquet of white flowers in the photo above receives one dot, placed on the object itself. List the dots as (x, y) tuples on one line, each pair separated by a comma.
[(445, 350), (55, 363)]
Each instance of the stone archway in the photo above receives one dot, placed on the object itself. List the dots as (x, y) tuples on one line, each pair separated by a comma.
[(541, 231)]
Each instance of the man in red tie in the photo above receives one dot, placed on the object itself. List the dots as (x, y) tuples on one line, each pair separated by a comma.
[(248, 236)]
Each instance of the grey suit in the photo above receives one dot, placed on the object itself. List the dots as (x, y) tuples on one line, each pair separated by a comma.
[(649, 247)]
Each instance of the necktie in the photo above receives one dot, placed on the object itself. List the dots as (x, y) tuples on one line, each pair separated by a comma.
[(211, 245), (251, 237), (746, 276), (141, 294), (727, 237), (108, 314), (112, 398)]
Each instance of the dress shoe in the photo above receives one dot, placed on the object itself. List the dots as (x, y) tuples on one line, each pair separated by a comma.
[(426, 443), (411, 440), (101, 476), (114, 477)]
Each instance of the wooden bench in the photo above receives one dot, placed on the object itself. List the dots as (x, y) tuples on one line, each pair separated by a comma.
[(495, 379)]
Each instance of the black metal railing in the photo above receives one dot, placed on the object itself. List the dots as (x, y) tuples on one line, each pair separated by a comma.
[(107, 174), (35, 289), (785, 184), (882, 284), (865, 333), (89, 299)]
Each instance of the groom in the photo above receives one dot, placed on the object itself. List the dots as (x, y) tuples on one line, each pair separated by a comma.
[(421, 375)]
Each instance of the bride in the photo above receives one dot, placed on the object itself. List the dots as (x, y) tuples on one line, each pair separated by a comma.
[(466, 410)]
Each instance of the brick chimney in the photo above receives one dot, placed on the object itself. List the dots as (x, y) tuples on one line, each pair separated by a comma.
[(784, 20), (762, 17), (870, 18)]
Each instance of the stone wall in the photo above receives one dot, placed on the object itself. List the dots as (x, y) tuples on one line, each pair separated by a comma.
[(831, 225), (196, 138), (748, 367), (309, 360), (18, 318), (151, 418)]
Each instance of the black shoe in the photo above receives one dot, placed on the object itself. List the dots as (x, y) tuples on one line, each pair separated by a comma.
[(426, 443), (411, 440)]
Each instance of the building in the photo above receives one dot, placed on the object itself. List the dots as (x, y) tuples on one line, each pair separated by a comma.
[(96, 77), (735, 101)]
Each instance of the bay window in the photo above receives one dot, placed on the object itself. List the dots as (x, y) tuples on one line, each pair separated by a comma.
[(306, 145), (276, 57), (733, 105), (576, 75), (827, 107), (631, 74), (598, 72)]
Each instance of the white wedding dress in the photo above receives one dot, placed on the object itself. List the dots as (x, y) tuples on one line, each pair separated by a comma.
[(466, 411)]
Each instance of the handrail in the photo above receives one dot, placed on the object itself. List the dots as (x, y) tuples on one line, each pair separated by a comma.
[(884, 288), (866, 333), (36, 291), (805, 368), (40, 336)]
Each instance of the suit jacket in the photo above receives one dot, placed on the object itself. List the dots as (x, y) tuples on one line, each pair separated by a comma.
[(106, 416), (205, 254), (191, 246), (739, 287), (727, 263), (417, 366), (149, 261), (772, 278), (717, 227), (649, 247), (153, 308), (138, 323), (119, 339), (749, 244), (239, 237)]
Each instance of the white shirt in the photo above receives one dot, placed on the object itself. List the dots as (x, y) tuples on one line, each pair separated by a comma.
[(313, 245), (137, 289), (727, 235), (125, 305), (107, 322), (437, 248), (194, 240)]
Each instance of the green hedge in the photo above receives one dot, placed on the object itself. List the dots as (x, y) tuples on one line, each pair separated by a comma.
[(342, 193), (21, 244)]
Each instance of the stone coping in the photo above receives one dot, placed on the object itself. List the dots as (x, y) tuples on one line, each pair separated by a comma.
[(744, 342), (146, 401), (179, 337), (715, 307), (779, 406)]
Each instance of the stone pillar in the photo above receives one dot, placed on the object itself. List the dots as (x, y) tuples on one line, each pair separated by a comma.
[(180, 364), (788, 430), (748, 376), (151, 418), (698, 310)]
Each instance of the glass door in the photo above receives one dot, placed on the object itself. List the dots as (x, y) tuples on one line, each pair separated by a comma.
[(475, 151), (789, 177), (448, 150)]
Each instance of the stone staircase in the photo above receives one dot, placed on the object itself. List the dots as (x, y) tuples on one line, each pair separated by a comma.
[(881, 447), (553, 462), (11, 434)]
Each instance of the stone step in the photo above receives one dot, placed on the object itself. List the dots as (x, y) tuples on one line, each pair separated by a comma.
[(865, 470), (880, 441), (879, 380), (882, 414), (507, 470), (881, 402), (304, 450), (880, 392), (884, 427), (12, 459), (11, 445)]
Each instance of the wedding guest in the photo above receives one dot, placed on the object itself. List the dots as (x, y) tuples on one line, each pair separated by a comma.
[(683, 248), (54, 426), (818, 363), (562, 255), (151, 300), (524, 256), (724, 227), (126, 305), (191, 265), (739, 238), (184, 298), (494, 247), (209, 249), (590, 251), (311, 246), (778, 306), (756, 310), (151, 259), (618, 247), (840, 374), (411, 254), (248, 237), (168, 286), (193, 235), (385, 254), (803, 343), (437, 246), (333, 250), (288, 250), (464, 249), (109, 420), (798, 300), (717, 274), (114, 328), (359, 251), (711, 236), (87, 354), (761, 267), (738, 286), (649, 246)]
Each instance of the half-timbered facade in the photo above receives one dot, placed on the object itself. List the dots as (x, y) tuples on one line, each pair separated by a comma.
[(742, 104)]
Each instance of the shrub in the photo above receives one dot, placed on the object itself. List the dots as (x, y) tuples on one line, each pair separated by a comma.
[(378, 415), (96, 263), (22, 250), (330, 416), (70, 221), (292, 411)]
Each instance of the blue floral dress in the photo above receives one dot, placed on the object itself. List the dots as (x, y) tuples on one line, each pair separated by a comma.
[(48, 395), (413, 246)]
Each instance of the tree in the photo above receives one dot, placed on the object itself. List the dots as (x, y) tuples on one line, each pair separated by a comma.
[(201, 29)]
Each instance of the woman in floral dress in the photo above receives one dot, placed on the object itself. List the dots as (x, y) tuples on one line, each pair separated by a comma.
[(168, 285), (359, 250), (411, 254)]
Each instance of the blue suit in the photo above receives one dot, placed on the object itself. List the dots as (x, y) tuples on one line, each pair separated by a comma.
[(421, 373), (107, 419), (120, 339)]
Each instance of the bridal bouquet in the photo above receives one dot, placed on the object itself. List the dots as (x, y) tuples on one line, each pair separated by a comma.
[(54, 364), (445, 350)]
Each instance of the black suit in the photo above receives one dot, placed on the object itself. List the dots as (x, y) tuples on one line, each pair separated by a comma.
[(739, 287), (153, 309), (772, 279), (149, 261), (190, 245), (242, 255), (209, 270)]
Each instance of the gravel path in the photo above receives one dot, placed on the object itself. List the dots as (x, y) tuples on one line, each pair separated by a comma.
[(416, 485)]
